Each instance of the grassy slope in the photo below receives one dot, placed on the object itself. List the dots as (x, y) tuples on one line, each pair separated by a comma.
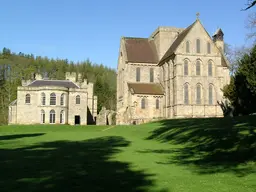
[(175, 155)]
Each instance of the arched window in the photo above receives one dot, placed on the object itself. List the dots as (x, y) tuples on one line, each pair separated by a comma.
[(198, 94), (198, 46), (157, 104), (52, 99), (198, 67), (210, 94), (208, 48), (77, 99), (42, 116), (52, 116), (62, 117), (151, 75), (27, 100), (43, 98), (143, 103), (62, 99), (209, 68), (185, 68), (186, 98), (187, 47), (138, 74)]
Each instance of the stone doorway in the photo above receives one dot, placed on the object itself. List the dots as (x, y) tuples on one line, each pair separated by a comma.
[(77, 120)]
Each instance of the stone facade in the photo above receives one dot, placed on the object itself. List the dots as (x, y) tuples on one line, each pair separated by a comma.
[(188, 65), (44, 101)]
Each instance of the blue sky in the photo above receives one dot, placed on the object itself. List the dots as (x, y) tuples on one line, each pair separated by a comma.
[(81, 29)]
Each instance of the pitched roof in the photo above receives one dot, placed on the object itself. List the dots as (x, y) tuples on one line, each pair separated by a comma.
[(177, 42), (140, 50), (56, 83), (146, 88)]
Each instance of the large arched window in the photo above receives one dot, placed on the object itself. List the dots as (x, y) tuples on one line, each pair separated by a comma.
[(209, 68), (143, 103), (52, 99), (186, 94), (62, 99), (157, 104), (198, 50), (151, 75), (198, 94), (185, 67), (138, 74), (187, 47), (43, 98), (198, 67), (52, 116), (210, 94), (208, 48), (62, 117), (78, 99), (27, 99), (42, 116)]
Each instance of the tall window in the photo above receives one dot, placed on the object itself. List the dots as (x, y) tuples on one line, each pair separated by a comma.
[(151, 75), (42, 116), (52, 99), (143, 103), (157, 104), (52, 116), (210, 95), (198, 46), (208, 48), (138, 74), (43, 98), (209, 68), (198, 66), (185, 67), (186, 100), (62, 117), (77, 99), (187, 47), (62, 99), (198, 94), (27, 99)]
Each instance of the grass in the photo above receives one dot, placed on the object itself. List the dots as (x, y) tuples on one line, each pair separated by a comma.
[(169, 156)]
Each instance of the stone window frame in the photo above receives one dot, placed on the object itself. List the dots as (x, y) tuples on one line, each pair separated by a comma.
[(137, 74), (27, 98), (198, 67), (186, 93), (62, 117), (210, 68), (52, 119), (211, 94), (42, 116), (186, 67), (209, 48), (187, 45), (78, 100), (157, 103), (52, 99), (62, 99), (143, 103), (43, 98), (151, 75), (198, 45), (199, 93)]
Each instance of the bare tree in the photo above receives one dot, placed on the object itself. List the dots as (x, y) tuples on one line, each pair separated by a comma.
[(250, 4)]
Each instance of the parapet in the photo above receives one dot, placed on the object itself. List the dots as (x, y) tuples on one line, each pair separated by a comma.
[(166, 29), (71, 76)]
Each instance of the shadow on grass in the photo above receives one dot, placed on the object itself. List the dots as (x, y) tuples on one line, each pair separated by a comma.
[(70, 166), (210, 145), (18, 136)]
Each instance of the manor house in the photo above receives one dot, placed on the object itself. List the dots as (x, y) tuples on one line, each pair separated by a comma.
[(44, 101), (175, 73)]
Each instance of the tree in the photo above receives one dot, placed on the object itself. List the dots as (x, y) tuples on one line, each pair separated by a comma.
[(250, 4)]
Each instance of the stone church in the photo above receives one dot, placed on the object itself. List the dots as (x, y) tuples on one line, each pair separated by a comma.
[(44, 101), (175, 73)]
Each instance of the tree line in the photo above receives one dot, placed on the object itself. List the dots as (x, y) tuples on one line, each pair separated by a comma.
[(17, 66)]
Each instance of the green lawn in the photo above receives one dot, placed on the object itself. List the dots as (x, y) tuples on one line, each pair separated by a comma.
[(192, 155)]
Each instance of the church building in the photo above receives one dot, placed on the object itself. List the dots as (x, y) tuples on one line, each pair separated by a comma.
[(174, 73)]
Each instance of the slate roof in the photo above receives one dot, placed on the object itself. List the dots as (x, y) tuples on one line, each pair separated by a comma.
[(140, 50), (146, 88), (56, 83)]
